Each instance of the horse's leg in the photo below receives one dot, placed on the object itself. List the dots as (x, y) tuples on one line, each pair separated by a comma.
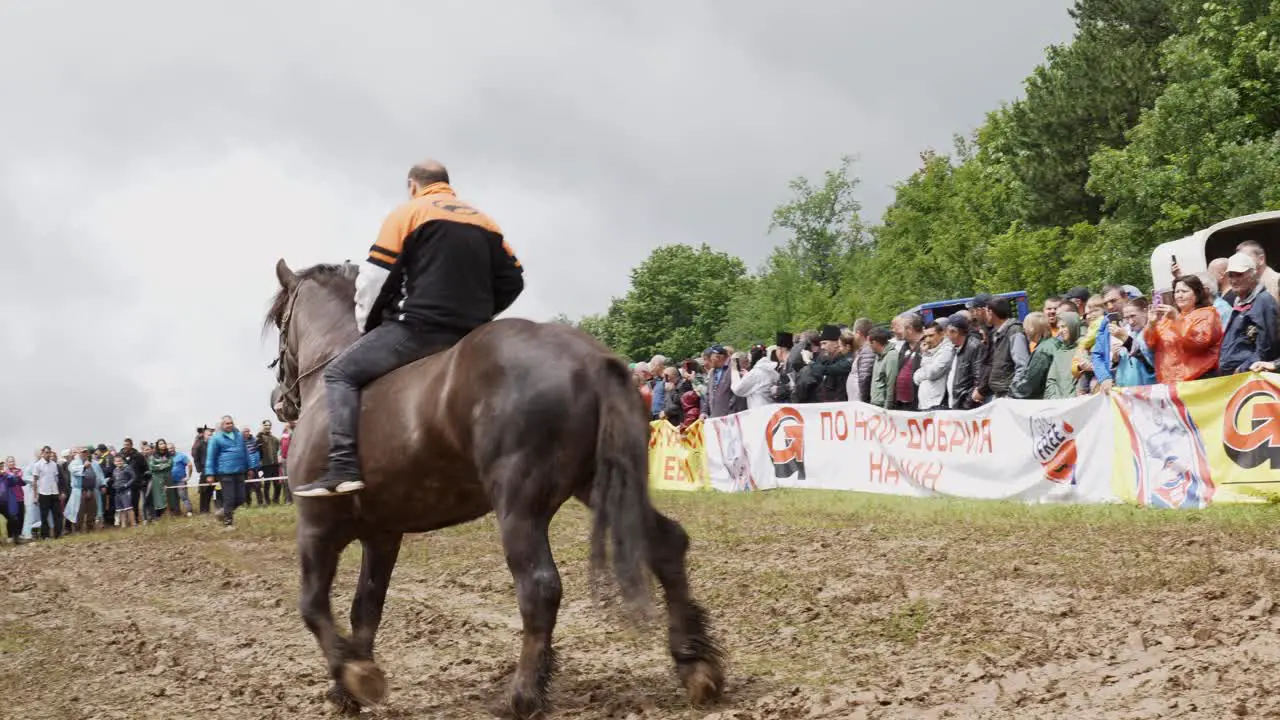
[(524, 538), (697, 656), (318, 554), (361, 675)]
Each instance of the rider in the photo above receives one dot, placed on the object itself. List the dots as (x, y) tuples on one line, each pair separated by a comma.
[(439, 269)]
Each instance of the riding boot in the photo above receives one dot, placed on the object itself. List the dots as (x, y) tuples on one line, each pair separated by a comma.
[(343, 475)]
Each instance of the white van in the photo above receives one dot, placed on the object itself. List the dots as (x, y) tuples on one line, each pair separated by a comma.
[(1195, 251)]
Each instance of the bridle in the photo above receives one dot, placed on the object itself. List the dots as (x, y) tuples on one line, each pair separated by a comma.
[(289, 405)]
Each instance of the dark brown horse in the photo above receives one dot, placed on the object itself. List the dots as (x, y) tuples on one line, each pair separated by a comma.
[(517, 418)]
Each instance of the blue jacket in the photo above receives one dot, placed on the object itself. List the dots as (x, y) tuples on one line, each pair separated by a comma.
[(1250, 334), (255, 453), (226, 454), (659, 397)]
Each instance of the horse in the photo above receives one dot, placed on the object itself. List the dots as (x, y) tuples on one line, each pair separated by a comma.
[(515, 419)]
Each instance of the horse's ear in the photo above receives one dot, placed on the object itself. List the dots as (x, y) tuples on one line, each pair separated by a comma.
[(288, 279)]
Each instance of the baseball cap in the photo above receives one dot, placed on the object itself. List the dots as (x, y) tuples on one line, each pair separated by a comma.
[(1078, 293), (959, 322), (717, 349), (1239, 263), (979, 301)]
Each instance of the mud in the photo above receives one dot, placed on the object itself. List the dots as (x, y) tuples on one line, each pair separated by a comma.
[(933, 620)]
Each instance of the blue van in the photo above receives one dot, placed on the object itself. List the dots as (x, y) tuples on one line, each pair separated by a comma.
[(945, 308)]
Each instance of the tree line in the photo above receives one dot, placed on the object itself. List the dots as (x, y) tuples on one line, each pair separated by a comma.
[(1158, 118)]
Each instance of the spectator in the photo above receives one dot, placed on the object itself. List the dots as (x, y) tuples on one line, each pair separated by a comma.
[(138, 465), (640, 376), (1134, 362), (199, 455), (12, 499), (179, 478), (1031, 385), (1079, 299), (227, 461), (107, 492), (1187, 336), (1095, 310), (864, 361), (1009, 351), (756, 385), (1216, 282), (719, 395), (784, 387), (886, 366), (1061, 382), (658, 387), (1265, 276), (966, 366), (122, 477), (1051, 314), (269, 448), (253, 486), (831, 367), (692, 405), (1250, 334), (936, 357), (160, 466), (44, 475), (980, 327)]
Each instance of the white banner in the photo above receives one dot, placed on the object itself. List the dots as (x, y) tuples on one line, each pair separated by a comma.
[(1029, 450)]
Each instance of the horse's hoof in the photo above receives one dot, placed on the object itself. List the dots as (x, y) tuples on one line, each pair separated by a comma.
[(365, 681), (528, 707), (342, 700), (703, 681)]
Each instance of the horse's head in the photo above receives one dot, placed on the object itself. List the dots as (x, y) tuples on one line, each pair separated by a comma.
[(313, 313)]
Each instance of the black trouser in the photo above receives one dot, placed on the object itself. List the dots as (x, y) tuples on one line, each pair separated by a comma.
[(232, 495), (389, 346), (50, 516), (271, 486), (253, 489), (206, 493), (108, 505), (13, 523)]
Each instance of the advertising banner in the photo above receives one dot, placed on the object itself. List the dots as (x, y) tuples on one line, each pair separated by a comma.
[(1195, 443), (677, 461), (1035, 451)]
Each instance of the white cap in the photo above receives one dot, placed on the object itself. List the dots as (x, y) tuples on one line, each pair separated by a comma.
[(1241, 262)]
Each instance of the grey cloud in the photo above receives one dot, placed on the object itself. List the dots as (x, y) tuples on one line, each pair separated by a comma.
[(591, 131)]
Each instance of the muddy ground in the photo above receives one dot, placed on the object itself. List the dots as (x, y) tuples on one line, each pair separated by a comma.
[(829, 606)]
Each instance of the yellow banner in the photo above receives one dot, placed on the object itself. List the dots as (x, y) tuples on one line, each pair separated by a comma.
[(677, 461), (1197, 443)]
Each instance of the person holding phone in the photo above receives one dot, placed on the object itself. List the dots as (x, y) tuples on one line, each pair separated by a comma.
[(1186, 336)]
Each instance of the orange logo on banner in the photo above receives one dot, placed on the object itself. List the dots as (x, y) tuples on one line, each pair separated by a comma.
[(784, 436), (1251, 425)]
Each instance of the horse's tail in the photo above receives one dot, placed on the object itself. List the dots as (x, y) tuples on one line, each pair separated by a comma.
[(620, 491)]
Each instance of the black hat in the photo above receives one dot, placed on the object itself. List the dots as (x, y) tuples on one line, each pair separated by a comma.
[(830, 332), (1078, 293), (979, 301), (785, 339)]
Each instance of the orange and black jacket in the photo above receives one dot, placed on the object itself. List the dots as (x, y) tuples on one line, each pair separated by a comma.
[(439, 265)]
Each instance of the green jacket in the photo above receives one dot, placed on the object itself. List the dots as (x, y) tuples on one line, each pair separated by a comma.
[(883, 373)]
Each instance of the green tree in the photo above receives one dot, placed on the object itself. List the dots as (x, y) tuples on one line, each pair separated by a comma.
[(824, 224), (679, 300)]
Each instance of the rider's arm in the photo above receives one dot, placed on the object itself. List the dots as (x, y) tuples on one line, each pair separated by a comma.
[(508, 277), (384, 254)]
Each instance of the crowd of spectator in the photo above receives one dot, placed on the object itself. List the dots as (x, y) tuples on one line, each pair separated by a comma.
[(96, 486), (1219, 322)]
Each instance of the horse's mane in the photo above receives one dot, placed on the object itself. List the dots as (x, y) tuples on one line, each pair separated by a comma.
[(326, 274)]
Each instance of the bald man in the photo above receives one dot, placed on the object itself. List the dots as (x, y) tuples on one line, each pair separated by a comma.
[(439, 269)]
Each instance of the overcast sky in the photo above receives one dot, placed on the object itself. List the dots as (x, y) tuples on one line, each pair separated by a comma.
[(157, 158)]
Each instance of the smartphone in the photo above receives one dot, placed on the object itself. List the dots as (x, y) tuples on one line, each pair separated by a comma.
[(1113, 317)]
